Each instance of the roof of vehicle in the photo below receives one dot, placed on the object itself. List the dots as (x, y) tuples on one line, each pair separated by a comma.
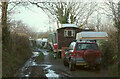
[(83, 42), (92, 35)]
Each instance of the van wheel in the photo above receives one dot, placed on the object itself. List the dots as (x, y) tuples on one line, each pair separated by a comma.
[(65, 62), (71, 66)]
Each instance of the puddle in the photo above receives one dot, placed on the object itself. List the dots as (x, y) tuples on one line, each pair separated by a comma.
[(51, 73), (27, 75), (45, 53), (34, 64), (35, 54), (47, 66)]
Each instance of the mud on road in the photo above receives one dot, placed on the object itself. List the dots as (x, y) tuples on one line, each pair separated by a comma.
[(52, 68)]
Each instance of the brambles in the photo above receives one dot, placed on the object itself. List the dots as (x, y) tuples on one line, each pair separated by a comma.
[(14, 58)]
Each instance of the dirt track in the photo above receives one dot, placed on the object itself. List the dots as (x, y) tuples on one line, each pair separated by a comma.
[(55, 68), (59, 68)]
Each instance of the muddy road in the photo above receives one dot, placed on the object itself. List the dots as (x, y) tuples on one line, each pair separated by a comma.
[(49, 68)]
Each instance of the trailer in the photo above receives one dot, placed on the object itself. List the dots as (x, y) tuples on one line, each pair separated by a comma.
[(66, 35), (61, 39)]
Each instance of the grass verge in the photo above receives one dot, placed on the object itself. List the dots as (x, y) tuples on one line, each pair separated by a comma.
[(52, 56), (14, 59), (40, 57)]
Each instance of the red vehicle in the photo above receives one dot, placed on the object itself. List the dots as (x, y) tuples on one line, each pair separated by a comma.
[(82, 54)]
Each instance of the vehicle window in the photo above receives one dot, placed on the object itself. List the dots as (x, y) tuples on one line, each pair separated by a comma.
[(86, 46)]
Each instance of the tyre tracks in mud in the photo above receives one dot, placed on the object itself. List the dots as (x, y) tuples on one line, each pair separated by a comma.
[(51, 69), (45, 69)]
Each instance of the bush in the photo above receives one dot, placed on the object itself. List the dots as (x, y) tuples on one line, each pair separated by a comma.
[(109, 54), (113, 70), (13, 59)]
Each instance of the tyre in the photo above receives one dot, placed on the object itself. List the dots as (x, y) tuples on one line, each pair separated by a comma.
[(71, 66)]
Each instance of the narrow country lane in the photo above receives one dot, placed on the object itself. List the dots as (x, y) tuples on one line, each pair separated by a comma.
[(53, 68)]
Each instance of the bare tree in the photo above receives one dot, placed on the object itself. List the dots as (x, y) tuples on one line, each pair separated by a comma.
[(5, 10), (115, 13), (68, 12), (5, 32), (57, 9), (98, 22), (18, 27), (4, 14), (115, 9)]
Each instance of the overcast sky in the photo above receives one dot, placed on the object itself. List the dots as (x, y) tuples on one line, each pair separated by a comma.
[(35, 18)]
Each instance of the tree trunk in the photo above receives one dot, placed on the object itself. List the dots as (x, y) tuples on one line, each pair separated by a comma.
[(4, 14), (5, 30)]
